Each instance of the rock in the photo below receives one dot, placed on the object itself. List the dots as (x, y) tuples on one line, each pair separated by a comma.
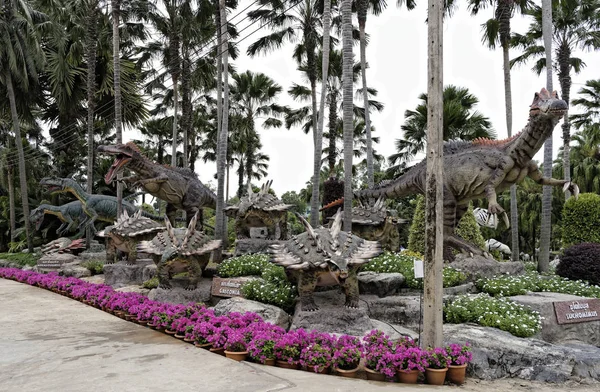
[(149, 271), (253, 245), (498, 354), (397, 309), (394, 331), (75, 270), (381, 284), (93, 256), (97, 279), (134, 289), (120, 274), (586, 332), (554, 263), (28, 268), (179, 295), (481, 267), (269, 313), (461, 289), (55, 261)]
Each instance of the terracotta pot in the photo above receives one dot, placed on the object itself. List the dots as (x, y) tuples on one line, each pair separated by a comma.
[(205, 346), (169, 332), (269, 362), (236, 355), (325, 370), (346, 373), (188, 340), (142, 322), (408, 376), (374, 375), (286, 365), (457, 373), (179, 336), (435, 376), (218, 350)]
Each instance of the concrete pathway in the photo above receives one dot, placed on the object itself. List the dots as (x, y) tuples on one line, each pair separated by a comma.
[(52, 343)]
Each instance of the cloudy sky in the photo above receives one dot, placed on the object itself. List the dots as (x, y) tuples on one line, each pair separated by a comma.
[(397, 56)]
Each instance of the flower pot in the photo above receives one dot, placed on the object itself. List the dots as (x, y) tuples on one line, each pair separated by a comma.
[(311, 369), (286, 365), (142, 322), (269, 362), (346, 373), (205, 346), (435, 376), (217, 350), (457, 373), (179, 336), (188, 340), (170, 332), (374, 375), (236, 355), (408, 376)]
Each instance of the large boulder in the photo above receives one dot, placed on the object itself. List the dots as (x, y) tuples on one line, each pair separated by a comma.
[(75, 270), (380, 284), (476, 267), (55, 261), (269, 313), (585, 332), (398, 309), (179, 295), (245, 246), (121, 274), (498, 354), (134, 289), (149, 270)]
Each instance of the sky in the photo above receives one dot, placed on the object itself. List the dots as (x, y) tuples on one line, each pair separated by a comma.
[(397, 57)]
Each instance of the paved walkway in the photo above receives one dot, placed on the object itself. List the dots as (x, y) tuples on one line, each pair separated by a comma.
[(52, 343)]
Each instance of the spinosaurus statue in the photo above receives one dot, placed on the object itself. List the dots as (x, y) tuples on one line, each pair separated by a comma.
[(180, 188), (126, 234), (483, 167), (323, 257), (260, 209), (180, 250)]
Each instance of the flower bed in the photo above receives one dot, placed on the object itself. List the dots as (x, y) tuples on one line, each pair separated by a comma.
[(505, 286), (315, 351)]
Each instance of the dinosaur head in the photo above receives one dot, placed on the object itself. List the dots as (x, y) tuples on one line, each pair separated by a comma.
[(124, 154), (37, 216), (54, 184), (548, 104)]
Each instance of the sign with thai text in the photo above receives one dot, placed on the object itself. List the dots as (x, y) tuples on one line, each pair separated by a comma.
[(227, 287), (568, 312)]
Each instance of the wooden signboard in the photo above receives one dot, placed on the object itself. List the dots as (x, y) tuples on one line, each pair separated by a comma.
[(583, 310), (227, 287)]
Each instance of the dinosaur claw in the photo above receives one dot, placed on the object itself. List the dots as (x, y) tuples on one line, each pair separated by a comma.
[(506, 220)]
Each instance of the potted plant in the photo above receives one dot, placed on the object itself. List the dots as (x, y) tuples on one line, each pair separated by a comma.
[(437, 365), (376, 345), (409, 362), (460, 356), (262, 344), (287, 349), (346, 356), (316, 358), (236, 346), (200, 334)]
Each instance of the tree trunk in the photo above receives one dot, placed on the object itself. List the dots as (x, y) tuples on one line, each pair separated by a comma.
[(91, 38), (347, 106), (331, 156), (434, 193), (314, 201), (220, 228), (564, 78), (11, 198), (186, 106), (362, 21), (19, 142), (219, 60), (116, 12), (546, 225), (175, 110)]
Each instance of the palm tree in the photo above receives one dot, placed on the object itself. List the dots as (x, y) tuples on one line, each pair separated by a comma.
[(347, 103), (460, 121), (497, 30), (21, 58), (576, 25), (589, 101)]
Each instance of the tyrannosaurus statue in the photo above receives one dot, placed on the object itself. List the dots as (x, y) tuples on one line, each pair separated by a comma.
[(180, 188), (483, 167)]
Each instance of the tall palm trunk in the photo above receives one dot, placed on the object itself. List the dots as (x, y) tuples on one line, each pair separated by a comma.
[(314, 201), (361, 9), (332, 133), (91, 37), (175, 110), (11, 198), (116, 13), (564, 78), (219, 60), (546, 225), (220, 228), (19, 142), (186, 105), (347, 106)]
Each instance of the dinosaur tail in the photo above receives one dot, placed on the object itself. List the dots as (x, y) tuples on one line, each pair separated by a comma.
[(337, 202), (403, 186)]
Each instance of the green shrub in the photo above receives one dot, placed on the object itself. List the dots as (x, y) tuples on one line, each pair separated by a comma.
[(581, 219), (151, 283), (96, 267), (493, 312), (404, 264), (22, 259), (581, 261), (244, 265), (278, 293), (469, 230)]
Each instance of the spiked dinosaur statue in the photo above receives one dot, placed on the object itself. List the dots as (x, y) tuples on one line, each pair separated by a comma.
[(96, 207), (483, 167), (374, 223), (180, 188), (126, 234), (260, 209), (324, 257), (69, 214), (180, 250)]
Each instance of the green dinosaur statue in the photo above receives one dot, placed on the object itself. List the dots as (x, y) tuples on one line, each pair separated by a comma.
[(483, 167), (180, 250), (180, 188), (324, 257), (69, 214), (126, 234), (96, 207)]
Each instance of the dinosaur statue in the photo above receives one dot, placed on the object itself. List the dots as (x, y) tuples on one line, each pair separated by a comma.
[(69, 214), (374, 223), (180, 188), (260, 209), (177, 250), (64, 245), (324, 257), (96, 207), (126, 234), (483, 167)]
